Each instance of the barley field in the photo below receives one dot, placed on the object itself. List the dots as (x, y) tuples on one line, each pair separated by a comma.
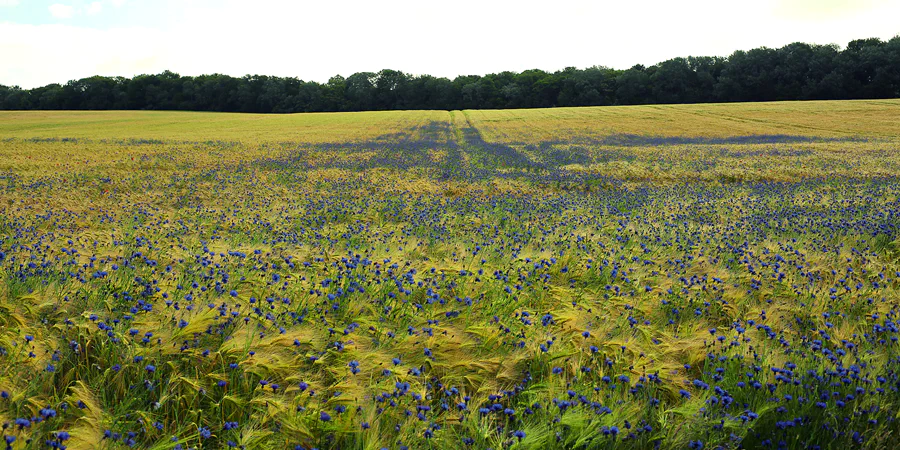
[(686, 276)]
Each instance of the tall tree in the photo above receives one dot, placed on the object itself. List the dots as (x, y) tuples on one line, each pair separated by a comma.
[(867, 68)]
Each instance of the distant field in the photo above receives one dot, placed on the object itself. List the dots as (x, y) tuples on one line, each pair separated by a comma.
[(868, 118), (694, 276), (192, 126), (790, 140), (873, 118)]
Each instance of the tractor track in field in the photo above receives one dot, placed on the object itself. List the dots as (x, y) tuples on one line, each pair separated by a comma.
[(483, 153)]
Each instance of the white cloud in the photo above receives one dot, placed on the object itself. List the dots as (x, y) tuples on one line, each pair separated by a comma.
[(39, 51), (9, 2), (61, 11), (315, 40), (117, 3), (94, 8)]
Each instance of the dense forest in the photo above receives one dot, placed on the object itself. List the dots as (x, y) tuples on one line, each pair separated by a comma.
[(866, 68)]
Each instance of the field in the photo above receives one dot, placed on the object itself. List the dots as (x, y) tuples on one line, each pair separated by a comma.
[(693, 276)]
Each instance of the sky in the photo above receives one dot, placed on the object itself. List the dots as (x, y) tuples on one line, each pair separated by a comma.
[(54, 41)]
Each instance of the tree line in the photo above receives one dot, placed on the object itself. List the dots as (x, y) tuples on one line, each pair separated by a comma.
[(865, 69)]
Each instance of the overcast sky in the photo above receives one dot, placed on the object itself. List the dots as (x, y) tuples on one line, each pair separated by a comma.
[(47, 41)]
